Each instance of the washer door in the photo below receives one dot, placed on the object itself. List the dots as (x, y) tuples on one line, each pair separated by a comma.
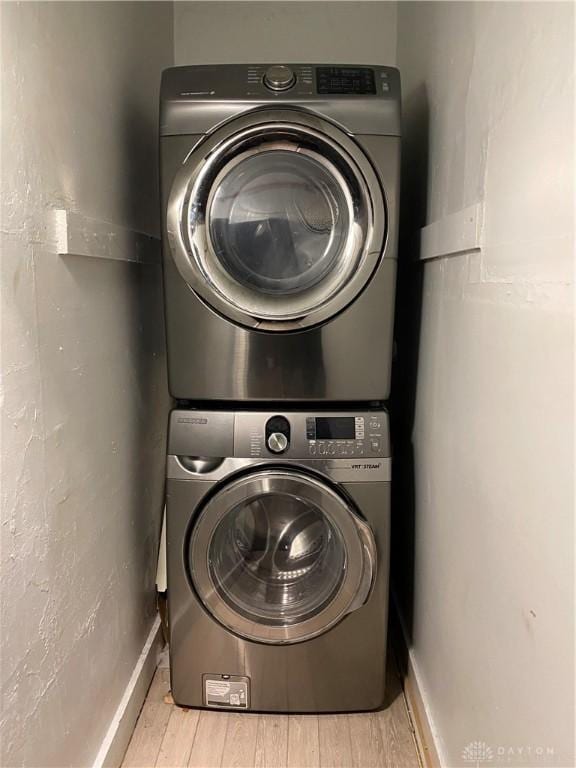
[(278, 556), (277, 220)]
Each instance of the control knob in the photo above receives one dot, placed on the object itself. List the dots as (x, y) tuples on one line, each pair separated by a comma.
[(277, 442), (279, 78), (277, 434)]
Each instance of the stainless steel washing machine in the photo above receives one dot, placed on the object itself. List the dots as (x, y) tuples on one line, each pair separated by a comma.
[(278, 551), (279, 215)]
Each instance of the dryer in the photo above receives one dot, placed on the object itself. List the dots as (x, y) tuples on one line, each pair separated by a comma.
[(278, 550), (279, 223)]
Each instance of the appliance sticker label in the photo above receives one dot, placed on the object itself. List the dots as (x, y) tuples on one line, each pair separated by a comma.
[(217, 689), (231, 693)]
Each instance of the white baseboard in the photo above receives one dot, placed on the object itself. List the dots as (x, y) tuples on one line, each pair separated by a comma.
[(118, 736), (417, 702), (420, 711)]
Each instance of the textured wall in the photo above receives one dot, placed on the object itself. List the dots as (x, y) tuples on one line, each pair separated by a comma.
[(488, 116), (84, 403), (243, 32)]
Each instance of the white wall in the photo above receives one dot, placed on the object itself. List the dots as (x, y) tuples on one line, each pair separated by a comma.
[(488, 88), (84, 403), (322, 32)]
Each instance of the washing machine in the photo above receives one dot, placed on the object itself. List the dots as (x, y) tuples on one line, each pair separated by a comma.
[(278, 552), (279, 188)]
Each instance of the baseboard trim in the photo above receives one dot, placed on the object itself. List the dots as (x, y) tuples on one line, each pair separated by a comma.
[(118, 736), (420, 719), (415, 700)]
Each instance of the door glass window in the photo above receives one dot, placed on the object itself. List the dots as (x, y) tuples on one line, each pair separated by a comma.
[(279, 222), (276, 559)]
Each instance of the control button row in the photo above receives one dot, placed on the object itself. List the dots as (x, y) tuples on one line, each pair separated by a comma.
[(335, 450)]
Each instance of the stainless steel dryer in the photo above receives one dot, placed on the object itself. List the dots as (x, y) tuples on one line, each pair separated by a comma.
[(279, 211), (278, 550)]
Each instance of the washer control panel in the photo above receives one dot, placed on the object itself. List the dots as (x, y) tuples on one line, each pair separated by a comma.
[(347, 446), (312, 435)]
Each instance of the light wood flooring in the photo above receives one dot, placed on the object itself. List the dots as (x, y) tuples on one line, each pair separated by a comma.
[(171, 737)]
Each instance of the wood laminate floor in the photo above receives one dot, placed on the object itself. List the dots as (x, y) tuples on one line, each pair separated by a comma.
[(171, 737)]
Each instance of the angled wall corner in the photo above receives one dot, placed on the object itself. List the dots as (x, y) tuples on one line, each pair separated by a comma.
[(485, 438), (84, 388)]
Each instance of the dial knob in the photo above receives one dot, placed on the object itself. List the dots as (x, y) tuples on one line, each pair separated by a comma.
[(279, 78), (277, 442)]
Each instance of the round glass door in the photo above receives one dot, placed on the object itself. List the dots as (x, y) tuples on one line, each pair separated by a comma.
[(277, 225), (280, 557), (279, 222)]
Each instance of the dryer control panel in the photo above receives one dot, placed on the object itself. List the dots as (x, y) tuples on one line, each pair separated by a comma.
[(365, 99), (313, 79)]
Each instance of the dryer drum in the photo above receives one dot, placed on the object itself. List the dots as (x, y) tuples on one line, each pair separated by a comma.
[(277, 220)]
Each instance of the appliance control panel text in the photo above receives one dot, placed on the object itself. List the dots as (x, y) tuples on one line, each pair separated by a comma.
[(306, 435)]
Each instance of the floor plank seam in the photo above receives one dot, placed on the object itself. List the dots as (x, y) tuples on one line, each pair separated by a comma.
[(193, 740)]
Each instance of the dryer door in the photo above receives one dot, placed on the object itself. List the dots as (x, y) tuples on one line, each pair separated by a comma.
[(277, 220), (278, 556)]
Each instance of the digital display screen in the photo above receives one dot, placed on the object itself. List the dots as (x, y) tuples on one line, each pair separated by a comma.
[(359, 80), (336, 428)]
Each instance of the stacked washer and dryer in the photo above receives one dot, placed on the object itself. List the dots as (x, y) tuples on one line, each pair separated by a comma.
[(280, 212)]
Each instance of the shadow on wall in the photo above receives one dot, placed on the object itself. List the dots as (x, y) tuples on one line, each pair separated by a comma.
[(149, 339), (413, 211), (136, 291)]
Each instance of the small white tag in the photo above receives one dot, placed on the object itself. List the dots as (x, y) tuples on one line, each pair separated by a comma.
[(217, 688), (232, 692)]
